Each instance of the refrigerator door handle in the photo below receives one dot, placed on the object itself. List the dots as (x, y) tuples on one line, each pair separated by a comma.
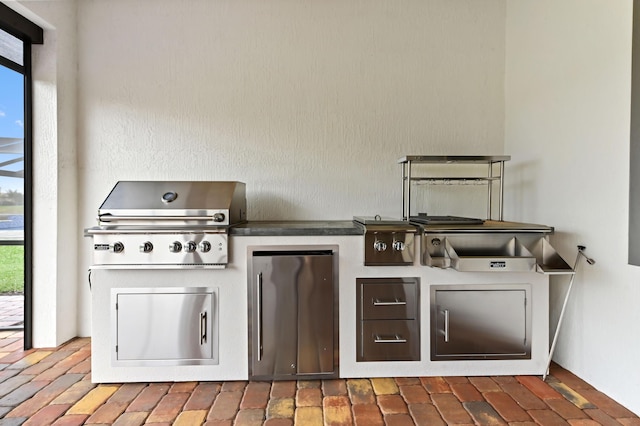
[(259, 315)]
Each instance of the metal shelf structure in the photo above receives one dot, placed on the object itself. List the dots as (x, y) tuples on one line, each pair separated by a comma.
[(493, 162)]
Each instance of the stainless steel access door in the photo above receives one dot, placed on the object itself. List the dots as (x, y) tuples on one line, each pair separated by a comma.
[(292, 314), (480, 322), (164, 326)]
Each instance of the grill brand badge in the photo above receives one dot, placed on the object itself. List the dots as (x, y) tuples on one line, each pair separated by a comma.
[(497, 264), (101, 247)]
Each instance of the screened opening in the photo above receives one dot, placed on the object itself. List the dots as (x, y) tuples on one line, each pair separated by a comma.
[(17, 34)]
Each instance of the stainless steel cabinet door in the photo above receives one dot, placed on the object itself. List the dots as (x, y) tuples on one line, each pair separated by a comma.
[(491, 323), (292, 314), (170, 326)]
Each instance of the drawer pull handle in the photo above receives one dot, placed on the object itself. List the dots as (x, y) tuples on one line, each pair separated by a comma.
[(395, 339), (395, 302)]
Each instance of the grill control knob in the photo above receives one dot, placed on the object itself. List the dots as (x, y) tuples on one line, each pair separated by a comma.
[(218, 217), (436, 242), (175, 247), (398, 245), (118, 247), (190, 247), (379, 245), (146, 247), (205, 246)]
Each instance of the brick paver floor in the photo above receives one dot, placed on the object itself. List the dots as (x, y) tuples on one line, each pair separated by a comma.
[(11, 311), (53, 386)]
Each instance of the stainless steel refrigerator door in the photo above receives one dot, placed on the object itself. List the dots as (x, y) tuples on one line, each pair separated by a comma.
[(292, 314)]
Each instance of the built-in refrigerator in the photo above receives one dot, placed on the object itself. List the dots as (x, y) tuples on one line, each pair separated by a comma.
[(293, 314)]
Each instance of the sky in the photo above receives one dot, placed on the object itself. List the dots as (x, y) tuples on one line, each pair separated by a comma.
[(11, 120), (11, 104)]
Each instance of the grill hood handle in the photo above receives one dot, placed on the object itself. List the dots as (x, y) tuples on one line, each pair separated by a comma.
[(108, 217)]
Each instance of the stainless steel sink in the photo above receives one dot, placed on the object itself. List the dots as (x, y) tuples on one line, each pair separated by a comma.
[(493, 250), (489, 253)]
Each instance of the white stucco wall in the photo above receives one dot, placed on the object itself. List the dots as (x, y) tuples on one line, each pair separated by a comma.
[(312, 103), (55, 218), (309, 103), (568, 66)]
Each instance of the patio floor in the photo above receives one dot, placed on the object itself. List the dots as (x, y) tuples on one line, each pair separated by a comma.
[(53, 386), (11, 311)]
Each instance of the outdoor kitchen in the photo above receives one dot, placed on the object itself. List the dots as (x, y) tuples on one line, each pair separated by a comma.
[(374, 297), (330, 114)]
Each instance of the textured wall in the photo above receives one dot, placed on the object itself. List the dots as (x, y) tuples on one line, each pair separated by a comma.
[(310, 103), (55, 218), (567, 123)]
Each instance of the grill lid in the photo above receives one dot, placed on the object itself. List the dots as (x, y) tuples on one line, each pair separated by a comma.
[(221, 202)]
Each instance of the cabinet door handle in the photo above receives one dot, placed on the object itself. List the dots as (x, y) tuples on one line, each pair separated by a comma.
[(395, 302), (259, 315), (396, 339), (203, 327), (446, 326)]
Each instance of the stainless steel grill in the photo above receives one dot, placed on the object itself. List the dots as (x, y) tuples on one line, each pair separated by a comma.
[(167, 224)]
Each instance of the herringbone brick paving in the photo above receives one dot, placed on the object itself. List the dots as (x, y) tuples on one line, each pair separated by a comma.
[(53, 386)]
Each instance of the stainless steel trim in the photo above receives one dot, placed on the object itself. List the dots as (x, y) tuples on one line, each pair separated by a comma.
[(396, 302), (446, 326), (259, 316), (396, 339)]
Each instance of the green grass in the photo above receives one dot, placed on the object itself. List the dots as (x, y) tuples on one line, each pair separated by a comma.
[(11, 209), (11, 269)]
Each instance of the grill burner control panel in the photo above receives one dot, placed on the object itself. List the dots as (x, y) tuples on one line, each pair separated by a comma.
[(387, 242), (388, 247), (161, 250)]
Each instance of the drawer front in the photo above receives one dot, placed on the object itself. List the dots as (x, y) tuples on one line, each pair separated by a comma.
[(387, 300), (389, 340)]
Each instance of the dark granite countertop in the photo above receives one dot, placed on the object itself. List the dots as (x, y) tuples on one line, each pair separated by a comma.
[(295, 227), (348, 227), (490, 226)]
